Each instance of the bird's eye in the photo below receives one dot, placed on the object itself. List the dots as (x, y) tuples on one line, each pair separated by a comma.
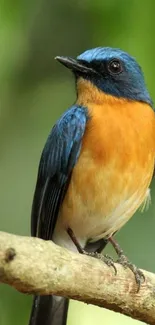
[(115, 66)]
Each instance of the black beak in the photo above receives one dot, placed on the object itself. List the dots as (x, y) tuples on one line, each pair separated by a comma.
[(74, 64)]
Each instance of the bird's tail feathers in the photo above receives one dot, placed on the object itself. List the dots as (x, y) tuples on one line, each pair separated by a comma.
[(49, 310)]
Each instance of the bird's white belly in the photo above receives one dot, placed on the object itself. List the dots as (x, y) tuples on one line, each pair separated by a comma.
[(93, 227), (123, 212)]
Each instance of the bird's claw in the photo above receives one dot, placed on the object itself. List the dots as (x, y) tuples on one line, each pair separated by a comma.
[(139, 276), (108, 260)]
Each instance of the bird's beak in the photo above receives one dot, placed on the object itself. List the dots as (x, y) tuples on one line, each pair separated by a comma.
[(74, 64)]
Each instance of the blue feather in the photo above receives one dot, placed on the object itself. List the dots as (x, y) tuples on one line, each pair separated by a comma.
[(58, 159)]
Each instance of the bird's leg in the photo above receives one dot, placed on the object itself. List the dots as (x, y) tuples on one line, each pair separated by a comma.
[(75, 241), (105, 258), (123, 260)]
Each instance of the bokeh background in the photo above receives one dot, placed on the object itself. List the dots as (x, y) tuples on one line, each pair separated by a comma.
[(35, 90)]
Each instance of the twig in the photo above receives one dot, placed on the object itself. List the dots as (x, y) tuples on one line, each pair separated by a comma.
[(34, 266)]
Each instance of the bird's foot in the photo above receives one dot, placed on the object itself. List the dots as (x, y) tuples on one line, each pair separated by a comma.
[(108, 260), (139, 276), (123, 260), (105, 258)]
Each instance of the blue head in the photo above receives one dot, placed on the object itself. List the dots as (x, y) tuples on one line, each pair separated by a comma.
[(112, 71)]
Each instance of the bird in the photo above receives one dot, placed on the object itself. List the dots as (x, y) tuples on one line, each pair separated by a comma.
[(97, 164)]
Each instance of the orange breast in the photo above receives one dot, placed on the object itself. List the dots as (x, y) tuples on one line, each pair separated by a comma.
[(111, 178)]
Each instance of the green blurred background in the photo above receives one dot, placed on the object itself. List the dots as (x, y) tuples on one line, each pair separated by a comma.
[(35, 90)]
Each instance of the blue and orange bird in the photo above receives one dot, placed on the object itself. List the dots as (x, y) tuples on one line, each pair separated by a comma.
[(97, 164)]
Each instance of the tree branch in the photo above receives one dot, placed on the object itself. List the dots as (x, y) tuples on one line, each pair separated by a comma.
[(34, 266)]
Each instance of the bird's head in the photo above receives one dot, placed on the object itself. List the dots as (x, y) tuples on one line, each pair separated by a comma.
[(112, 71)]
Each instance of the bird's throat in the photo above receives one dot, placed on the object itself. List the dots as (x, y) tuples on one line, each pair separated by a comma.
[(88, 93)]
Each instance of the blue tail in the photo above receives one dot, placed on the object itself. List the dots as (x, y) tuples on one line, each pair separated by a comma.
[(49, 310)]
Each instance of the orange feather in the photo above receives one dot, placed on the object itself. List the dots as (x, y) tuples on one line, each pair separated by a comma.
[(113, 173)]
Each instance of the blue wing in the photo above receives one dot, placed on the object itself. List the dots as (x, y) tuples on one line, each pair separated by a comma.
[(58, 159)]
